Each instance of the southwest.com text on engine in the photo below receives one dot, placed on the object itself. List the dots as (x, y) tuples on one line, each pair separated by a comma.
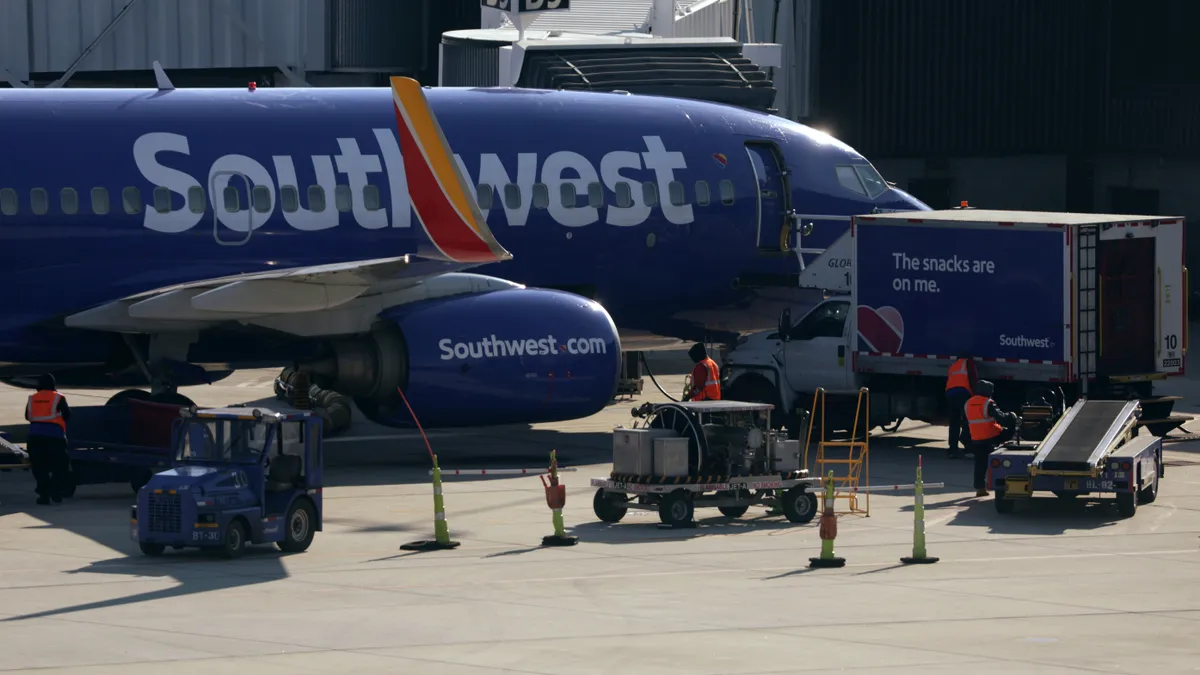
[(491, 347)]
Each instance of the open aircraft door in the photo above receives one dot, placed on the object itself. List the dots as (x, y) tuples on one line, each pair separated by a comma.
[(775, 214)]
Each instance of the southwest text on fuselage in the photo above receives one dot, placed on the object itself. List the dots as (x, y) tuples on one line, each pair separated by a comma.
[(156, 156)]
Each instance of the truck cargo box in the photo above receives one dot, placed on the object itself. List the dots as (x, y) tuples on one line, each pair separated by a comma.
[(1038, 296)]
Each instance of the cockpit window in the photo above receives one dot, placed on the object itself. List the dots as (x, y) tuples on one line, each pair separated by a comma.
[(849, 179), (861, 179), (875, 183)]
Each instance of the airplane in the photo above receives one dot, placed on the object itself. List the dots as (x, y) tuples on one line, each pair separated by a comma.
[(170, 237)]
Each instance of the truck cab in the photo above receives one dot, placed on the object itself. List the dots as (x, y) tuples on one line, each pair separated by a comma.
[(238, 477), (786, 366)]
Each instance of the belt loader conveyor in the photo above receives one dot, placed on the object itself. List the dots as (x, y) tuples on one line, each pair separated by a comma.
[(1094, 447)]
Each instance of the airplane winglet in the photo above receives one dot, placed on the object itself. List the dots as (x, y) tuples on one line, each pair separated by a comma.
[(441, 196)]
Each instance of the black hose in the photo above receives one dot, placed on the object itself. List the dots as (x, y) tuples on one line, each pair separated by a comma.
[(642, 356)]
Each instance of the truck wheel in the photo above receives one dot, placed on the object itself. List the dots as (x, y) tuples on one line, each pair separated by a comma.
[(757, 389), (606, 508), (1003, 505), (799, 505), (154, 550), (1127, 504), (234, 543), (1148, 494), (676, 508), (298, 527)]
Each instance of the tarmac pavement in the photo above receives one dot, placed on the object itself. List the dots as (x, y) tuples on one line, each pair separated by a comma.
[(1066, 587)]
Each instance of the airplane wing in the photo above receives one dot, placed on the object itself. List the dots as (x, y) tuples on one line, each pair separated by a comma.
[(449, 216)]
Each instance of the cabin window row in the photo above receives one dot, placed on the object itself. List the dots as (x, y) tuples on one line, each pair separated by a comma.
[(569, 197), (196, 202), (343, 198)]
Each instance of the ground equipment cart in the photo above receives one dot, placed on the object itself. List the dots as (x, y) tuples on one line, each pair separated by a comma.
[(700, 454)]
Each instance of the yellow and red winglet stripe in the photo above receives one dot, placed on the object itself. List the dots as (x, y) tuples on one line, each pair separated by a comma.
[(440, 194)]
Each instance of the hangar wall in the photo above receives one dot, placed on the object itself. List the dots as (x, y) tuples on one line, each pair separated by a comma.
[(1079, 105), (338, 40)]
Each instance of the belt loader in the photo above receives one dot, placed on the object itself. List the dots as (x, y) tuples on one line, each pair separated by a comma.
[(1093, 448)]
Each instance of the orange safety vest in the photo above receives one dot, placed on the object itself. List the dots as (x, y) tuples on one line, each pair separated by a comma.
[(958, 377), (710, 389), (43, 407), (981, 424)]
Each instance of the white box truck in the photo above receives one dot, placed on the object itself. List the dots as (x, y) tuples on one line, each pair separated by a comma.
[(1052, 306)]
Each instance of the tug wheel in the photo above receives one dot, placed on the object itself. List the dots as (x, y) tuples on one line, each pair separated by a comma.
[(298, 527), (234, 543), (152, 549)]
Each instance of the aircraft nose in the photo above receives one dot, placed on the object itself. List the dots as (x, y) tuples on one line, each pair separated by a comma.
[(904, 201)]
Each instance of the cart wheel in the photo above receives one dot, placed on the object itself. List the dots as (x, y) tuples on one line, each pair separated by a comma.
[(731, 511), (1150, 493), (152, 549), (1003, 505), (1127, 504), (606, 508), (298, 527), (676, 508), (798, 504), (234, 544)]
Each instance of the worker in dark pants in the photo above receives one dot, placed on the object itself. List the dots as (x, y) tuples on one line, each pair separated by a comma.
[(986, 432), (47, 412), (960, 384)]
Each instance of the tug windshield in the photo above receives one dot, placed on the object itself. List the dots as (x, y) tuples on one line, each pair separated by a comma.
[(226, 441)]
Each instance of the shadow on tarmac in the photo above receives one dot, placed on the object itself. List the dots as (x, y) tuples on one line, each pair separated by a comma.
[(100, 513), (103, 518)]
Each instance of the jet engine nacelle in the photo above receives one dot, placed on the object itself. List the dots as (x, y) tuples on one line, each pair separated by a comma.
[(502, 357)]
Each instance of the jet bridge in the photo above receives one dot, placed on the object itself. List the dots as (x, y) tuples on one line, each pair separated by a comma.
[(1085, 436)]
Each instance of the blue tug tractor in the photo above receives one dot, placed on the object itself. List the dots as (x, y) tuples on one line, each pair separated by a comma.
[(239, 477)]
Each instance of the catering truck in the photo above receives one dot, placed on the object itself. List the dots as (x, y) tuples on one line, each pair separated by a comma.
[(1053, 307)]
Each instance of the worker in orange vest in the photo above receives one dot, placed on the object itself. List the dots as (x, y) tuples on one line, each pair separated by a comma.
[(982, 414), (47, 413), (960, 384), (706, 376)]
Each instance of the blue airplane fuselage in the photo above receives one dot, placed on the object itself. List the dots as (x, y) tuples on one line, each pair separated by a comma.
[(81, 223)]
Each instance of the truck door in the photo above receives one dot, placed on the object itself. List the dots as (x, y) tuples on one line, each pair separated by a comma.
[(774, 197), (815, 353), (1127, 305)]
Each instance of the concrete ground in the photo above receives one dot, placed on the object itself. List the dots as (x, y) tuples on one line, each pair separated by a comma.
[(1064, 587)]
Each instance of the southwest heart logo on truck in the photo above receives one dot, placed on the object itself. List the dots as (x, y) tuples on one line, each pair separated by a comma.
[(882, 329)]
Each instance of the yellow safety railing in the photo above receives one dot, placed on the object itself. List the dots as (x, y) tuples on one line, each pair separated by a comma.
[(857, 460)]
